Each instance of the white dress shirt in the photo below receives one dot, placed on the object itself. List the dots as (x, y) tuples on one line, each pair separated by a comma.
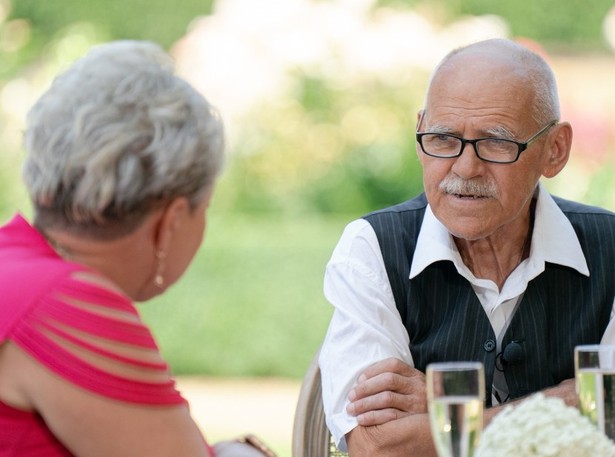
[(366, 327)]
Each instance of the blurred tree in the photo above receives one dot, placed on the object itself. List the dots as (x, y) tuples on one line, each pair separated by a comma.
[(160, 20), (328, 150), (157, 20), (573, 24)]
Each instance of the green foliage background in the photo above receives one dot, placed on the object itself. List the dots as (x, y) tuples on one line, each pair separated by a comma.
[(252, 304), (573, 23)]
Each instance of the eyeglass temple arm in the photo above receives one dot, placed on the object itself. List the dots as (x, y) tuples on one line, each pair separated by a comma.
[(421, 116)]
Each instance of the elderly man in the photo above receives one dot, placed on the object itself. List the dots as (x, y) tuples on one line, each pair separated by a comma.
[(484, 266)]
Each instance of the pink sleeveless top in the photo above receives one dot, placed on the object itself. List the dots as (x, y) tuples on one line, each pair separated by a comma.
[(48, 307)]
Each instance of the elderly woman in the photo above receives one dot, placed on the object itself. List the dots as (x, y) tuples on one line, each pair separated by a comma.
[(122, 159)]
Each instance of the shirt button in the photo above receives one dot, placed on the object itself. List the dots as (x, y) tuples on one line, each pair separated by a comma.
[(489, 345)]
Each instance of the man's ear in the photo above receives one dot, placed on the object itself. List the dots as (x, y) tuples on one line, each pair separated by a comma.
[(557, 151), (168, 222)]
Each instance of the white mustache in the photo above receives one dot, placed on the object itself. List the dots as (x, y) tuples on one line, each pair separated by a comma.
[(470, 187)]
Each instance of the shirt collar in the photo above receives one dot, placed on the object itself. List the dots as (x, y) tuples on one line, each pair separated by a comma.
[(553, 240)]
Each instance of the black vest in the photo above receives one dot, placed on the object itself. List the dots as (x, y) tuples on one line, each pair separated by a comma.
[(560, 309)]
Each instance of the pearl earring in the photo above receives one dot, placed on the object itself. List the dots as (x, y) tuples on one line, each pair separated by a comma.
[(159, 278)]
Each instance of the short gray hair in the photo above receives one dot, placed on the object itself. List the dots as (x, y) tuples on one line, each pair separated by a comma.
[(116, 135), (540, 76)]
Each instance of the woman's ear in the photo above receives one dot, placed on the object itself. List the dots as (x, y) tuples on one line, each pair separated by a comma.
[(168, 222), (557, 151)]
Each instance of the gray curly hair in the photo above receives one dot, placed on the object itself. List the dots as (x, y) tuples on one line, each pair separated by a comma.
[(116, 135)]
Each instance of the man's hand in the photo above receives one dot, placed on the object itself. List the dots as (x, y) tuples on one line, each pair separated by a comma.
[(408, 436), (566, 391), (386, 391)]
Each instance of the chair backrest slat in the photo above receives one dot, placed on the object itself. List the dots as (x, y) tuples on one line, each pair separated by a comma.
[(311, 437)]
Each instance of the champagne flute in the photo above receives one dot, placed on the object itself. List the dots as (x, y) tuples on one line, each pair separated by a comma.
[(455, 395), (594, 366)]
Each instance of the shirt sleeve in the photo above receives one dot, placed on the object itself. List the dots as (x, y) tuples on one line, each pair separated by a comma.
[(365, 327), (608, 337), (90, 334)]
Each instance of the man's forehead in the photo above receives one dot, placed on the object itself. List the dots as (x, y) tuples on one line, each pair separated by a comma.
[(477, 64), (477, 82)]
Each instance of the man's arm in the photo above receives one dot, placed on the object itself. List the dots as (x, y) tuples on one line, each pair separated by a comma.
[(387, 390), (389, 402), (365, 327)]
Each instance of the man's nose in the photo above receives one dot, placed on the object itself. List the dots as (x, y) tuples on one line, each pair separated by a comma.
[(468, 164)]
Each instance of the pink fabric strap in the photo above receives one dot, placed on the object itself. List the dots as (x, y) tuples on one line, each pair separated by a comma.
[(79, 322)]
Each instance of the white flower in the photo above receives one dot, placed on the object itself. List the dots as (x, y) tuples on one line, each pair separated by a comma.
[(543, 427)]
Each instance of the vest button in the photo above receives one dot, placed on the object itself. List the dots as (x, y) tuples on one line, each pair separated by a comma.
[(489, 345)]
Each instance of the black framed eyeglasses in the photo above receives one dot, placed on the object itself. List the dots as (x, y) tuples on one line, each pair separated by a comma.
[(496, 150)]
